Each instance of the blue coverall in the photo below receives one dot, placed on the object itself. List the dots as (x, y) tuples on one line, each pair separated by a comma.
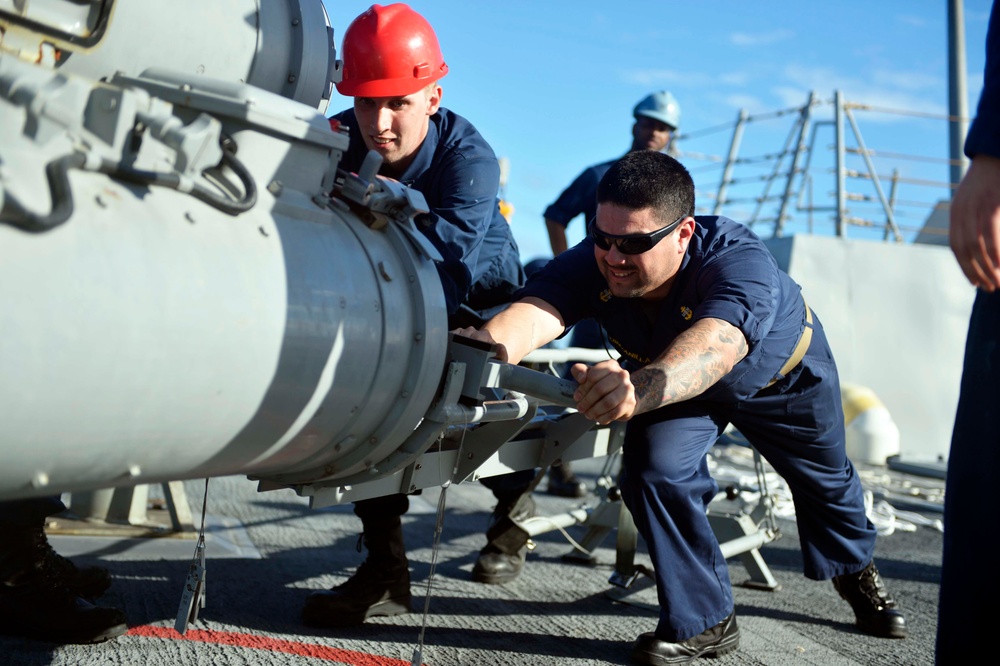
[(457, 172), (969, 591), (797, 423)]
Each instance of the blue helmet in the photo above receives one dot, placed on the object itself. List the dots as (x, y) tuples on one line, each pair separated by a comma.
[(660, 106)]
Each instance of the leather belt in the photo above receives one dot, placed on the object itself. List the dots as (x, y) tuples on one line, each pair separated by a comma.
[(800, 348)]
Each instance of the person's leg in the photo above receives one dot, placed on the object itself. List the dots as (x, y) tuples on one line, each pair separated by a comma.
[(798, 426), (381, 585), (502, 558), (88, 582), (42, 594), (29, 512), (973, 469), (667, 487), (563, 482)]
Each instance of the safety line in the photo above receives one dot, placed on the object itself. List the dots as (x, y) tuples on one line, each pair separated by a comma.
[(349, 657)]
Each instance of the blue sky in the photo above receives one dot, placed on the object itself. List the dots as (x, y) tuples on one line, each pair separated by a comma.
[(551, 84)]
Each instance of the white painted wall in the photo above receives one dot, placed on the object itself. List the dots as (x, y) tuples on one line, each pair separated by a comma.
[(896, 317)]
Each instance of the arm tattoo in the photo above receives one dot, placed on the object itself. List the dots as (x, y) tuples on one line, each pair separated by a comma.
[(694, 361)]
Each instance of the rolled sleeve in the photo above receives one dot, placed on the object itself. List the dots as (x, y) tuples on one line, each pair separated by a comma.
[(741, 286)]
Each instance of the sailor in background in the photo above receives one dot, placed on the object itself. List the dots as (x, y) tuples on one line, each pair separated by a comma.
[(392, 68), (969, 591), (711, 332), (657, 118)]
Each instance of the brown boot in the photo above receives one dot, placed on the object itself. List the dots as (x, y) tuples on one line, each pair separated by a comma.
[(502, 559), (874, 608), (36, 601), (380, 586), (563, 482)]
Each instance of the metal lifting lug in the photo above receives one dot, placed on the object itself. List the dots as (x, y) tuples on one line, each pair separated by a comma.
[(386, 200)]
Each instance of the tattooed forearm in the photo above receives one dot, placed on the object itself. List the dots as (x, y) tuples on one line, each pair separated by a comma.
[(696, 359), (650, 385)]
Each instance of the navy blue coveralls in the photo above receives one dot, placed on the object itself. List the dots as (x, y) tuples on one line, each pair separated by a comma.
[(581, 198), (797, 423), (968, 593), (459, 176), (457, 172)]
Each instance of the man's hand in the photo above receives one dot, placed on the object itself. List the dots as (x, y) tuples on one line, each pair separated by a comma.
[(975, 223), (483, 336), (605, 393)]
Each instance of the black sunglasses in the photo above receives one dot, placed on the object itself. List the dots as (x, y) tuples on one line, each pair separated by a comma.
[(631, 243)]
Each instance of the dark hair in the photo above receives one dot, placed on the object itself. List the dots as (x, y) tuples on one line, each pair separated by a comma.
[(648, 179)]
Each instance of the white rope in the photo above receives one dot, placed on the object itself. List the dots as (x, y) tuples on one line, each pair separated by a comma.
[(885, 491)]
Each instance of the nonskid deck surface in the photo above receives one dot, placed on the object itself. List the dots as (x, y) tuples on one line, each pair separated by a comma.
[(267, 551)]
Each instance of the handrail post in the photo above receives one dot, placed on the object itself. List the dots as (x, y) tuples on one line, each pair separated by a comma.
[(727, 172), (841, 221)]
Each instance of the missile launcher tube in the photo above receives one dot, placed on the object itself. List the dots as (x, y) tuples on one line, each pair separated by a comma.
[(150, 330)]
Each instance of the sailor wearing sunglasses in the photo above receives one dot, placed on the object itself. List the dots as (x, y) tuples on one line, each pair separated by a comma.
[(711, 332)]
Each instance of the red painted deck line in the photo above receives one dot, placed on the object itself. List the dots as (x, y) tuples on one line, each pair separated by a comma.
[(351, 657)]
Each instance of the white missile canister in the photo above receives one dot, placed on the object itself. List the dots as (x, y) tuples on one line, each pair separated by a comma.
[(872, 435)]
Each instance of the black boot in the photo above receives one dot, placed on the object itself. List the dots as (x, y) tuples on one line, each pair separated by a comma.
[(502, 559), (874, 607), (564, 483), (87, 582), (380, 586), (36, 600), (715, 641)]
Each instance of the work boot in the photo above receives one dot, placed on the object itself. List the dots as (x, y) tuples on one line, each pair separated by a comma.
[(715, 641), (87, 582), (502, 559), (380, 586), (564, 483), (35, 600), (874, 607)]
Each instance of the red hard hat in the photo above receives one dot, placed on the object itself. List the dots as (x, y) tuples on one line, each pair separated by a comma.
[(390, 51)]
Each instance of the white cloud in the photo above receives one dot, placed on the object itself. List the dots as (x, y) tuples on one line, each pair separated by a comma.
[(734, 78), (790, 96), (751, 103), (652, 77), (906, 80), (761, 38), (911, 19), (884, 90)]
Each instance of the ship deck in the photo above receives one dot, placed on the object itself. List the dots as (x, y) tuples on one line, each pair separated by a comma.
[(267, 551)]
